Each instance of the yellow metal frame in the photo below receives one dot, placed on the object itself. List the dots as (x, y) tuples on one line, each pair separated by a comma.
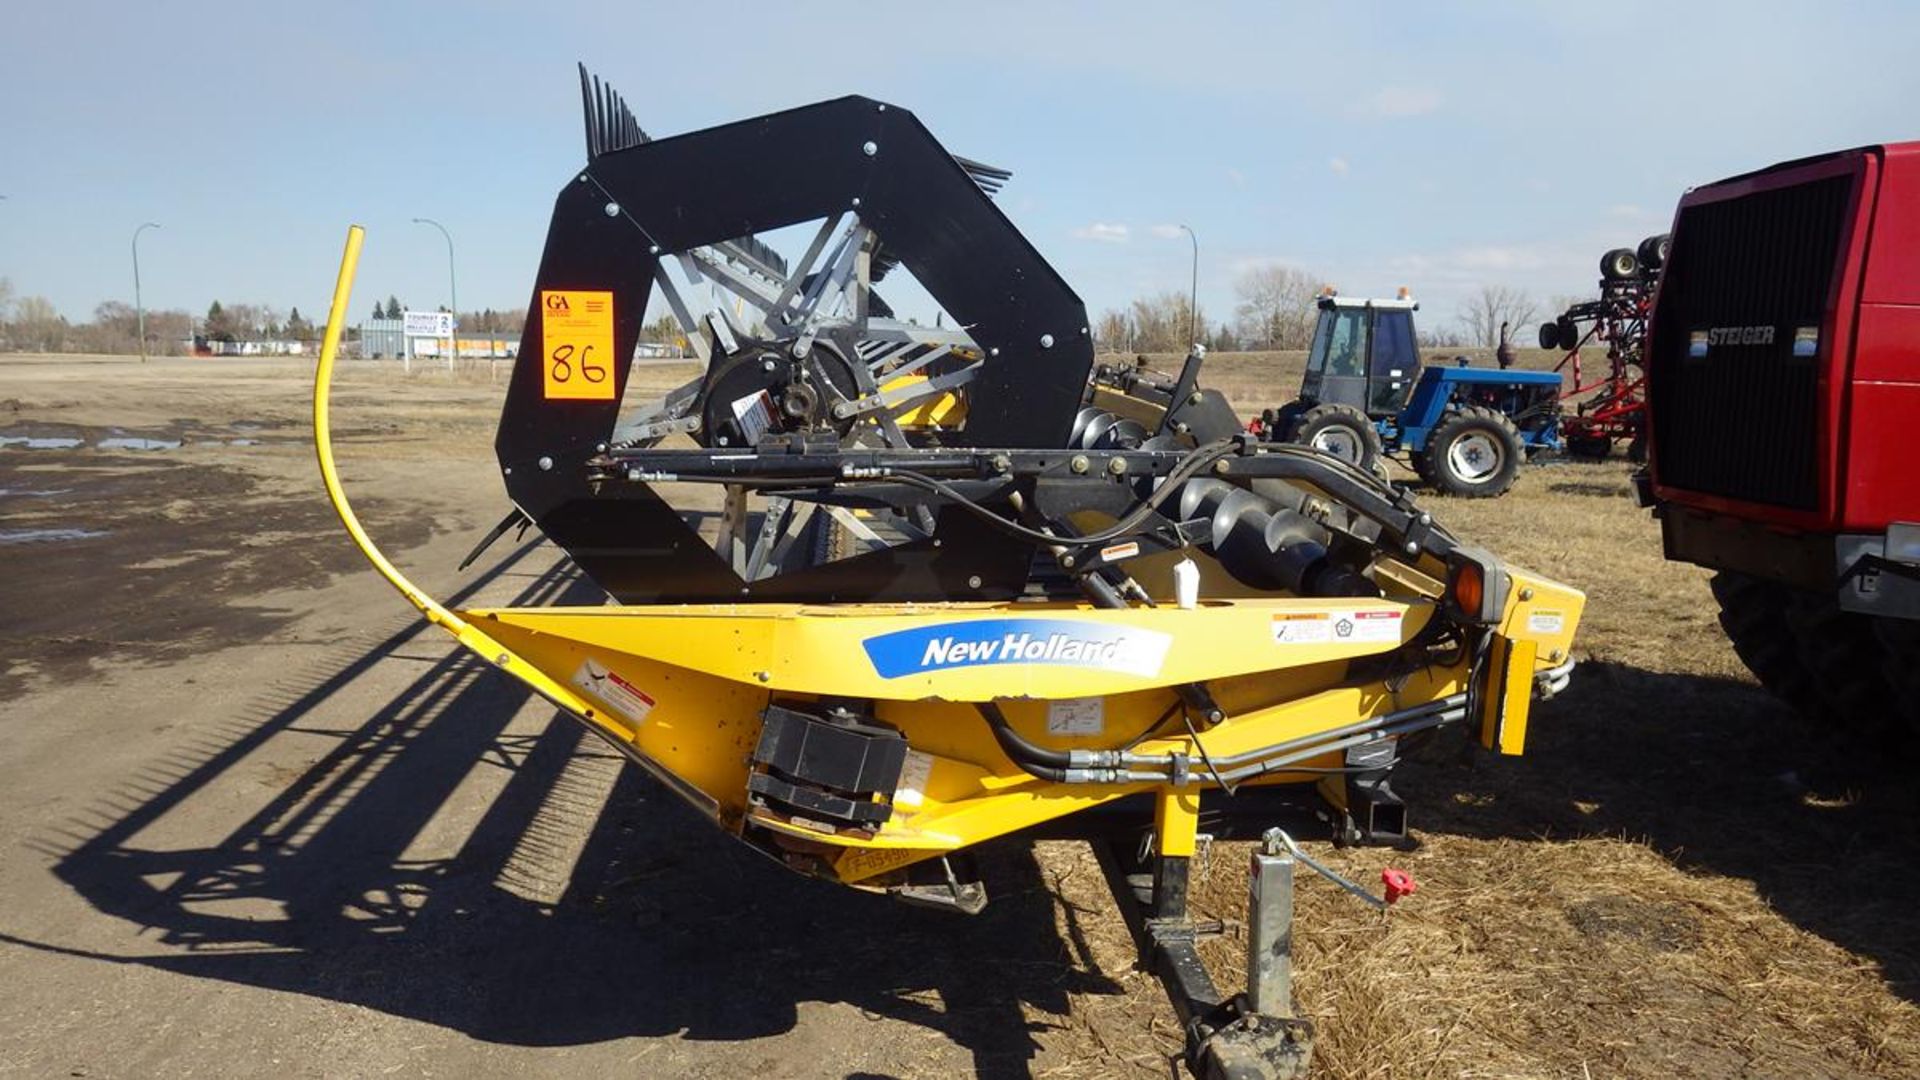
[(682, 688)]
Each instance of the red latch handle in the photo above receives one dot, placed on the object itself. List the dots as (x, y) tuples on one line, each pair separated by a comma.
[(1398, 883)]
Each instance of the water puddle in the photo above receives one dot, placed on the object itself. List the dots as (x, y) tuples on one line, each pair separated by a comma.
[(131, 442), (32, 442), (47, 536)]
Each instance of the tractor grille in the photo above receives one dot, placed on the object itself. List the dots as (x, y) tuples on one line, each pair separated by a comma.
[(1742, 421)]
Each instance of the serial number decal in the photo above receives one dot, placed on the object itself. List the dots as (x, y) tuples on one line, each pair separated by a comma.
[(1054, 642)]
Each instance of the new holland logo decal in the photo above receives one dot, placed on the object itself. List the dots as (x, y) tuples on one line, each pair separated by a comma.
[(1056, 642)]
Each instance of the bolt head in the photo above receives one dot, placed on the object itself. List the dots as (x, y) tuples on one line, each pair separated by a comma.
[(856, 200), (546, 464), (973, 582), (613, 209), (1046, 341), (1221, 467), (1067, 561), (1117, 466), (869, 148), (1526, 594), (1079, 463)]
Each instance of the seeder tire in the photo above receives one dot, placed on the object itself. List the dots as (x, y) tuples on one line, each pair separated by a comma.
[(1620, 264), (1652, 252), (1474, 453), (1589, 447)]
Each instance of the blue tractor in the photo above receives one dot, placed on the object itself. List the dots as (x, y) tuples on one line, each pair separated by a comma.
[(1465, 430)]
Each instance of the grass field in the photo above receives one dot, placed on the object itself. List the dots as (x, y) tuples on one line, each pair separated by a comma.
[(240, 789)]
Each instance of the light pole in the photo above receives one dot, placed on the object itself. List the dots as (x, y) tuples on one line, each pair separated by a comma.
[(453, 293), (1193, 298), (139, 307)]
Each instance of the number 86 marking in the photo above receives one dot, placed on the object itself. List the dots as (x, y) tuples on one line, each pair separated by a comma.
[(562, 370)]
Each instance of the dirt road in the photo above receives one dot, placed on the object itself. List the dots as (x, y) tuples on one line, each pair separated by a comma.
[(254, 820)]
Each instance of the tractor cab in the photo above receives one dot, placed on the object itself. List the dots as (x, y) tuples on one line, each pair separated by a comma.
[(1364, 354)]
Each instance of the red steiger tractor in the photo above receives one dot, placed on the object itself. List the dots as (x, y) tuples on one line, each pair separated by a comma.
[(1783, 394), (1611, 408)]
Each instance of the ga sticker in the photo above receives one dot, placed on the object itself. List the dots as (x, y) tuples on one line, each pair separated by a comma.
[(576, 345), (616, 693)]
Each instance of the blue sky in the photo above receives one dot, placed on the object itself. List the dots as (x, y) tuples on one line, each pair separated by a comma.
[(1439, 146)]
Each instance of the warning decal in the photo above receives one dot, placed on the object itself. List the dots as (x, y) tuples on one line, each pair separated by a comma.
[(576, 345), (912, 789), (1320, 627), (619, 695)]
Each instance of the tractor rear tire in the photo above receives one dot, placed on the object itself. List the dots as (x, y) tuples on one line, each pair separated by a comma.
[(1340, 431), (1900, 653), (1824, 662), (1753, 613), (1843, 655), (1620, 264), (1474, 453)]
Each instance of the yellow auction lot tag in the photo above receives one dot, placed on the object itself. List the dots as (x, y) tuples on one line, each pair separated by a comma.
[(576, 341)]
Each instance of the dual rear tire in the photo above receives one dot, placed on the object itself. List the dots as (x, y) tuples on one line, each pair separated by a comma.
[(1856, 675)]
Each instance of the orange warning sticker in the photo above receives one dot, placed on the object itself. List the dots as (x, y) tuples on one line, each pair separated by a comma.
[(576, 344)]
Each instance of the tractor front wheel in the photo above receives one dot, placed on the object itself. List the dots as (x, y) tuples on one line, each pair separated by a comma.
[(1341, 431), (1474, 453)]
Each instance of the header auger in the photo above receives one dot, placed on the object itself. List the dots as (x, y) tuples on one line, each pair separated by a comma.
[(887, 591)]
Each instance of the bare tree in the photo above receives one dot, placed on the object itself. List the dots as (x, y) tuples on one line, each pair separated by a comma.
[(1113, 332), (1483, 313), (1276, 307), (37, 325), (6, 298), (1161, 323), (1442, 337)]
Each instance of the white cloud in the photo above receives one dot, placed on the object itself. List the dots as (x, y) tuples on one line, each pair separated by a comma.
[(1167, 232), (1102, 231), (1338, 165), (1249, 263), (1397, 101)]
